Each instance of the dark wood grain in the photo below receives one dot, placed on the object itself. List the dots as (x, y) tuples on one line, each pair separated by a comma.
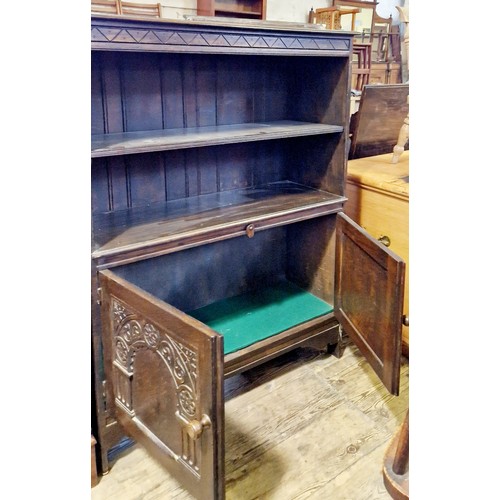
[(165, 364), (369, 292)]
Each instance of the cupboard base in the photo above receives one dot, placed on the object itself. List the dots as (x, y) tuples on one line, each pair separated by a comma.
[(322, 335)]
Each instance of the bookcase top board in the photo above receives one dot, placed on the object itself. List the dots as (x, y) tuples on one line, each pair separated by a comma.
[(202, 34)]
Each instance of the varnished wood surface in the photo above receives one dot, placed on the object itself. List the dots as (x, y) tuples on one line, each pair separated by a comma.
[(396, 463), (167, 374), (154, 75), (305, 425), (378, 173), (369, 292), (182, 138), (198, 217)]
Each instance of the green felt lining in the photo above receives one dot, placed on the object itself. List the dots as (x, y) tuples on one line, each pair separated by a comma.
[(248, 318)]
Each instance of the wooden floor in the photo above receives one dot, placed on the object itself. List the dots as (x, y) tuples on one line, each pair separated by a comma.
[(306, 425)]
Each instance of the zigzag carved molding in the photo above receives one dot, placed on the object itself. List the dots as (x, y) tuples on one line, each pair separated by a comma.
[(170, 37)]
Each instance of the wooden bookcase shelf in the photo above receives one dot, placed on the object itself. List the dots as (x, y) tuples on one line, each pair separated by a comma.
[(122, 143), (218, 165), (122, 235)]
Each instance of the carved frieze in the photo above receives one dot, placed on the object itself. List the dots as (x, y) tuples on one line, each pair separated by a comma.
[(182, 38)]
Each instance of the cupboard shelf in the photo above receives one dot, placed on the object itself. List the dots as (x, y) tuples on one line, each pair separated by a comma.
[(254, 316), (164, 227), (182, 138)]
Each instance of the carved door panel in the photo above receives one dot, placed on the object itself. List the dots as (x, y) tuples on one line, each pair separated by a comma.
[(369, 293), (167, 382)]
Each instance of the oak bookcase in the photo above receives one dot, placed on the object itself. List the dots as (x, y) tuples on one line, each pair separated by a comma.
[(218, 238)]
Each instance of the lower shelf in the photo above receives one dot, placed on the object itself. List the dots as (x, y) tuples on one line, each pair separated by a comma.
[(254, 316), (121, 236)]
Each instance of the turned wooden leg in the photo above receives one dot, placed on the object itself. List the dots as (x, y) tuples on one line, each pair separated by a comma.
[(401, 457), (396, 469), (404, 134)]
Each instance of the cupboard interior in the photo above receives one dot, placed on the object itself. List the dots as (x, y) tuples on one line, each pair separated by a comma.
[(134, 92), (252, 288), (145, 196)]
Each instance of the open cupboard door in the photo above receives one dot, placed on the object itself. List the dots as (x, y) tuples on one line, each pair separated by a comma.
[(369, 293), (167, 378)]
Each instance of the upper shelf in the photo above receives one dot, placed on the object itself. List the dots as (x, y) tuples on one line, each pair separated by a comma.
[(128, 235), (183, 138)]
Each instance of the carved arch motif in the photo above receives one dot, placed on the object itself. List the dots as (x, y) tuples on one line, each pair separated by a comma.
[(132, 333)]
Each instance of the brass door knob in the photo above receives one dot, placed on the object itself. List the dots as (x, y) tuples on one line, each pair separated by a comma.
[(385, 240), (195, 428)]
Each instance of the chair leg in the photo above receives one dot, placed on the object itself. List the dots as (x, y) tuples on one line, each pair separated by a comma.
[(404, 134)]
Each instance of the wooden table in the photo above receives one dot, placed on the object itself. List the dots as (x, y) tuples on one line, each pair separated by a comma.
[(378, 199)]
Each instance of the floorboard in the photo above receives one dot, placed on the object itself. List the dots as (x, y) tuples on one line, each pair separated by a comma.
[(303, 426)]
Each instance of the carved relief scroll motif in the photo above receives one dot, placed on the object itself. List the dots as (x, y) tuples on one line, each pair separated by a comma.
[(132, 333)]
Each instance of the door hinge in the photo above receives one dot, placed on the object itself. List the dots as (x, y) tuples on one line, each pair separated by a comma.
[(99, 295)]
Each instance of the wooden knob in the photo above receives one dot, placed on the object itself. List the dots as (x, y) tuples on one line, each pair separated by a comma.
[(250, 230), (406, 320), (195, 427)]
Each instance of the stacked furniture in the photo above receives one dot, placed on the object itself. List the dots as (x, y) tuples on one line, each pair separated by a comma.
[(219, 242), (120, 7)]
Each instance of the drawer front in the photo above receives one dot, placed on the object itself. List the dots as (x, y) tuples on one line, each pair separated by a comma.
[(381, 215), (167, 382)]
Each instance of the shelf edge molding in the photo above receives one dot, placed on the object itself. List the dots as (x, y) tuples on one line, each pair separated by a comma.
[(183, 224)]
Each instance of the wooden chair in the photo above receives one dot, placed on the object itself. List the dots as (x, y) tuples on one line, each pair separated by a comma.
[(361, 64), (330, 16), (382, 28), (105, 7), (141, 9)]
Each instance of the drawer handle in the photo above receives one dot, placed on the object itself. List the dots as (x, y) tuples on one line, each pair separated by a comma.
[(195, 428), (385, 240), (250, 230)]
